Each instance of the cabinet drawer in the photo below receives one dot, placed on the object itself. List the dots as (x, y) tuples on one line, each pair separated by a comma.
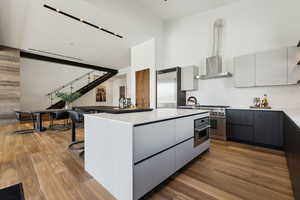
[(185, 128), (201, 148), (152, 172), (240, 117), (153, 138), (184, 153)]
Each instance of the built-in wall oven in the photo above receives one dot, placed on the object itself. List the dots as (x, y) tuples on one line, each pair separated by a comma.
[(201, 131)]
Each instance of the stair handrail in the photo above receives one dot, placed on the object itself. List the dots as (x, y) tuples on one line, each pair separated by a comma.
[(70, 83)]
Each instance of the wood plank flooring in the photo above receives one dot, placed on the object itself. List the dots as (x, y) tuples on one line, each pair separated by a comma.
[(49, 171)]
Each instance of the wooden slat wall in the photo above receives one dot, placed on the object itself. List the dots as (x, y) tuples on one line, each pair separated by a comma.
[(9, 84)]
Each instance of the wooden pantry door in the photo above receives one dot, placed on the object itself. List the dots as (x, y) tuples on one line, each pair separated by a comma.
[(142, 86)]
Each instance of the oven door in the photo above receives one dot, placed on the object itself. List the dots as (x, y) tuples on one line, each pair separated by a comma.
[(201, 134), (218, 128)]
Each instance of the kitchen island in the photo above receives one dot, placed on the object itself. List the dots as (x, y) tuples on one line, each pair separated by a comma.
[(130, 154)]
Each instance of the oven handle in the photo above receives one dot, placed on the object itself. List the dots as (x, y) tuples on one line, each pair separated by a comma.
[(201, 129)]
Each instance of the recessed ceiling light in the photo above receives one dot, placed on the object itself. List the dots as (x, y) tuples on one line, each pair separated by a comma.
[(81, 20)]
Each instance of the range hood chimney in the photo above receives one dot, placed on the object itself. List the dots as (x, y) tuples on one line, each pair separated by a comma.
[(214, 63)]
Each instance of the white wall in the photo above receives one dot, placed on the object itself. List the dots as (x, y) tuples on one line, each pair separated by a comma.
[(250, 26), (143, 56), (39, 78)]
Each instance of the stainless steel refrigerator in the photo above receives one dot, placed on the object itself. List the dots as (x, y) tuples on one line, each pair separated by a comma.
[(168, 88)]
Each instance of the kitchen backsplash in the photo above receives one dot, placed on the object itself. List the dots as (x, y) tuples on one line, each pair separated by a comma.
[(222, 91)]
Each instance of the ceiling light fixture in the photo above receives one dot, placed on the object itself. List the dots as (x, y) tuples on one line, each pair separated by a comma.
[(83, 21)]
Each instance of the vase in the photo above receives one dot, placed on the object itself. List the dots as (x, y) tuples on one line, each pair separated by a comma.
[(68, 106)]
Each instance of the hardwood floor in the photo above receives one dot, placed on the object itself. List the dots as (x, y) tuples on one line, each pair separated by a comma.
[(49, 171)]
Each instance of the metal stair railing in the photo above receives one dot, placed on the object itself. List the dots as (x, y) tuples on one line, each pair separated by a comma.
[(74, 85)]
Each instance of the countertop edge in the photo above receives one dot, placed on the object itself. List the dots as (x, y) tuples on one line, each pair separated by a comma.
[(94, 115), (199, 112), (171, 118)]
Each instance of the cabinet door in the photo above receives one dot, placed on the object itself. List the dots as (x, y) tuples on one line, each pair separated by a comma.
[(240, 117), (188, 81), (150, 173), (268, 128), (184, 153), (293, 68), (185, 128), (152, 138), (201, 148), (289, 140), (271, 68), (244, 70), (296, 174), (241, 133)]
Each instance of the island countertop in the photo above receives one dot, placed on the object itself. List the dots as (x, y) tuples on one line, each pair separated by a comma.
[(148, 117)]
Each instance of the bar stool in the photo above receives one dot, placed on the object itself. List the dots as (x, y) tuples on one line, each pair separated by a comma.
[(76, 118), (20, 117)]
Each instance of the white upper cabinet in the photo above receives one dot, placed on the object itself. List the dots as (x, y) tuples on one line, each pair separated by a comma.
[(188, 81), (244, 70), (271, 68), (293, 68)]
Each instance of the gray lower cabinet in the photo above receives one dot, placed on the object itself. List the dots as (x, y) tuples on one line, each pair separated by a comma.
[(292, 150), (240, 117), (153, 171), (184, 153), (184, 128), (240, 125), (268, 128), (264, 128), (152, 138), (242, 133)]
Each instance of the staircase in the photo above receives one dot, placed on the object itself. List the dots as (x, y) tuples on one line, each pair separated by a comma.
[(82, 85)]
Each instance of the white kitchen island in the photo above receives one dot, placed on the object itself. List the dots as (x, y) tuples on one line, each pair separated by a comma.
[(130, 154)]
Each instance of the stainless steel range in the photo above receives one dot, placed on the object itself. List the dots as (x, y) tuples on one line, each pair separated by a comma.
[(217, 119)]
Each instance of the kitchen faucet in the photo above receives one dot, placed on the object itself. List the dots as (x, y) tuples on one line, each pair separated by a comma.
[(193, 100)]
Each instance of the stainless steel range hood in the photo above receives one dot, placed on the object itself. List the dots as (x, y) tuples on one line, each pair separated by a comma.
[(214, 63)]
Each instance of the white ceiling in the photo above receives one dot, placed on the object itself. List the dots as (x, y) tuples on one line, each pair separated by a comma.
[(171, 9), (27, 24)]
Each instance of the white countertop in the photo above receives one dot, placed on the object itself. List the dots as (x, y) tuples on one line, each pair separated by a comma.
[(248, 108), (292, 113), (146, 117)]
